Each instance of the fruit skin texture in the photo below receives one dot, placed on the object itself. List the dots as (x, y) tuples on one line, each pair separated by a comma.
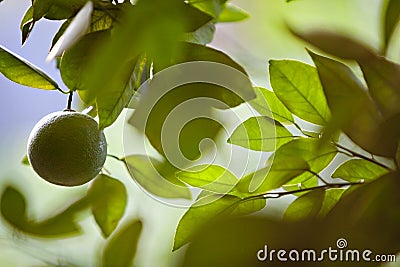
[(67, 148)]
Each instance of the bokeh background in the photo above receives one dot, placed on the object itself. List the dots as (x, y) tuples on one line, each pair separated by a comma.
[(252, 43)]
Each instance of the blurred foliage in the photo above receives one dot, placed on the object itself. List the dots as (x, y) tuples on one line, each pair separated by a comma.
[(119, 45)]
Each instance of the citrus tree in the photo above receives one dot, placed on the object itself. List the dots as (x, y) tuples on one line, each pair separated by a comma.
[(330, 136)]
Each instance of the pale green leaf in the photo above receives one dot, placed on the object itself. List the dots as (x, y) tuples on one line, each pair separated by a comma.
[(21, 71), (261, 134), (209, 177), (120, 250), (146, 171), (109, 202), (297, 85), (232, 13), (356, 170)]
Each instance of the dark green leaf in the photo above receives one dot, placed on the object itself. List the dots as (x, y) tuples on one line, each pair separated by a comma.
[(60, 31), (383, 79), (208, 209), (209, 177), (306, 206), (337, 45), (261, 134), (297, 85), (56, 9), (13, 207), (346, 98), (356, 170), (23, 72), (232, 13), (120, 250), (391, 18), (109, 202), (27, 24), (268, 104), (146, 171)]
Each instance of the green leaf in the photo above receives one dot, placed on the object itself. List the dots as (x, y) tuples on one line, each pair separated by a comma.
[(261, 134), (332, 197), (156, 105), (306, 206), (13, 207), (60, 31), (146, 171), (111, 98), (27, 24), (346, 97), (232, 13), (120, 250), (383, 80), (337, 45), (203, 35), (109, 202), (356, 170), (209, 177), (273, 176), (25, 160), (292, 160), (297, 85), (14, 211), (268, 104), (211, 7), (23, 72), (391, 18), (56, 9), (209, 208)]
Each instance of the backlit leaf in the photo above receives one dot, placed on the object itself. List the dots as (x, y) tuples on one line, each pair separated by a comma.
[(261, 134), (297, 85), (109, 202), (356, 170), (282, 170), (120, 250), (209, 177), (146, 171), (268, 104), (21, 71), (232, 13)]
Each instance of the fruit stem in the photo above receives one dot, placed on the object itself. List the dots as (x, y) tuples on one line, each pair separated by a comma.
[(69, 104)]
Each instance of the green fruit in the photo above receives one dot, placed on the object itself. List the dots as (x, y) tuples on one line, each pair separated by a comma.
[(67, 148)]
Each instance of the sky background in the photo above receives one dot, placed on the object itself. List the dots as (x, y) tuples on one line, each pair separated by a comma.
[(252, 43)]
